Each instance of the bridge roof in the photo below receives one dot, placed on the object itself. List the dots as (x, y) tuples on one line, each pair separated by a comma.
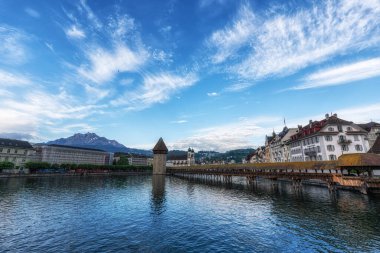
[(359, 160)]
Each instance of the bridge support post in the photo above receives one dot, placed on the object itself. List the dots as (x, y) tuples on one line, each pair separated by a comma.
[(364, 188), (331, 186), (297, 184)]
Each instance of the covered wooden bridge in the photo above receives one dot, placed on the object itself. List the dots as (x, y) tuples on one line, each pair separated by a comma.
[(359, 171)]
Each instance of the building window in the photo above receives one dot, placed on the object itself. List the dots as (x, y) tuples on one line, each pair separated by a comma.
[(356, 138), (1, 150), (318, 149), (359, 147), (342, 138), (331, 129), (328, 138), (8, 151), (344, 147), (332, 157), (340, 129), (319, 158), (16, 151), (330, 147), (316, 139), (349, 129)]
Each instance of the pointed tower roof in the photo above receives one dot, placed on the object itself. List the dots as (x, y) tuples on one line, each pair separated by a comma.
[(160, 147)]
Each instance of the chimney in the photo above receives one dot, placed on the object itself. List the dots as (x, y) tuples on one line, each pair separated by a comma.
[(335, 115), (310, 123), (327, 116), (300, 127)]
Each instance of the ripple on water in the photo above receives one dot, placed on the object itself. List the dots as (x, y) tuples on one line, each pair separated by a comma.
[(129, 214)]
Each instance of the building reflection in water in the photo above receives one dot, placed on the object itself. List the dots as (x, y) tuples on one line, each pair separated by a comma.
[(158, 193)]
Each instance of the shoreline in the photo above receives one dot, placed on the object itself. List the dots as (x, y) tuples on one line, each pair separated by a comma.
[(74, 174)]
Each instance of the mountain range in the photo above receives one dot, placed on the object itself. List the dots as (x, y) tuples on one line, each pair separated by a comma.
[(92, 140)]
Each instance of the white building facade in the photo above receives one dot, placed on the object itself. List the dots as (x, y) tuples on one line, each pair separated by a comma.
[(279, 146), (16, 152), (60, 154), (327, 140)]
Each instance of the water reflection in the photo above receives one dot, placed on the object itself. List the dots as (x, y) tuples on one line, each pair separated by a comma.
[(158, 193)]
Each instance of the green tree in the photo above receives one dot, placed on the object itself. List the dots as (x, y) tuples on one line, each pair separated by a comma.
[(6, 165)]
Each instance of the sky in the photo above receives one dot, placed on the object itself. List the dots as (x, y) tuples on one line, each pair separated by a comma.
[(208, 74)]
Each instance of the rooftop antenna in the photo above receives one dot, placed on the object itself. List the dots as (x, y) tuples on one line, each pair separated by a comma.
[(284, 122)]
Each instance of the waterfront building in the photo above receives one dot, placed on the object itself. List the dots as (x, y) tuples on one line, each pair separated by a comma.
[(60, 154), (373, 129), (137, 160), (327, 139), (257, 156), (375, 149), (268, 140), (279, 148), (17, 152), (187, 159)]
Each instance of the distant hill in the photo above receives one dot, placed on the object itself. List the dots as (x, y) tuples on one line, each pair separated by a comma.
[(92, 140), (211, 156)]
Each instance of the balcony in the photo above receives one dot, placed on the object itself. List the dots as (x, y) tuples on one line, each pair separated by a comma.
[(310, 153), (344, 142)]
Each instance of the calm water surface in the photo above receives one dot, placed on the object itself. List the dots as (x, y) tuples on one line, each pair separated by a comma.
[(145, 214)]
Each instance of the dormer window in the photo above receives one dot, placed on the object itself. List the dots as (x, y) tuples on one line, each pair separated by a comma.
[(349, 129), (331, 129)]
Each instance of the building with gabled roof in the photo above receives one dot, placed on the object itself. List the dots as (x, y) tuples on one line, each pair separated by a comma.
[(327, 139), (15, 151), (373, 130), (279, 148)]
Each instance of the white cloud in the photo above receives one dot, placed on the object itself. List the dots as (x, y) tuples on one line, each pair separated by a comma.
[(340, 75), (213, 94), (90, 14), (242, 134), (281, 44), (75, 33), (31, 12), (13, 49), (20, 136), (361, 114), (250, 132), (181, 121), (10, 79), (50, 46), (156, 88), (227, 41), (238, 86), (104, 65)]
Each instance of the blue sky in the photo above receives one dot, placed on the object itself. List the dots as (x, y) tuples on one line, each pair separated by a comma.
[(210, 74)]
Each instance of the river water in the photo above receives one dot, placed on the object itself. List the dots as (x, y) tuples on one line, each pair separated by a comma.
[(146, 214)]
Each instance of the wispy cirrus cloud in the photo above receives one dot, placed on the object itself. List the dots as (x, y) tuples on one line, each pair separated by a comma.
[(32, 12), (180, 121), (13, 48), (75, 33), (104, 64), (341, 75), (155, 89), (283, 43), (229, 40), (10, 79)]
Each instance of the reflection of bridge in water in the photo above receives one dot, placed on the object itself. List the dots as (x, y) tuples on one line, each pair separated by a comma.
[(334, 173)]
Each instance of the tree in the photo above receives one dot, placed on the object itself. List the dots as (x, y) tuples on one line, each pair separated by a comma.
[(6, 165), (34, 166)]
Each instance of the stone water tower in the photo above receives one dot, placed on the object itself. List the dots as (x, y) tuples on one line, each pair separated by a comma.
[(160, 152)]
